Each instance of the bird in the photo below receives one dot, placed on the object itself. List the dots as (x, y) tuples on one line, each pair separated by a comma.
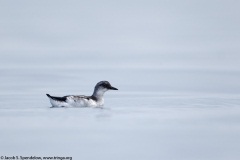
[(95, 100)]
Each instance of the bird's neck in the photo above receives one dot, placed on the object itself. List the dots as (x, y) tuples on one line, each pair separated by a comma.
[(98, 95)]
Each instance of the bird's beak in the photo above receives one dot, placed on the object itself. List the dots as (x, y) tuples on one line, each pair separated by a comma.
[(112, 88)]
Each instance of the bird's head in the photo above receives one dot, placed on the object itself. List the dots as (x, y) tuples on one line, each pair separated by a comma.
[(103, 86)]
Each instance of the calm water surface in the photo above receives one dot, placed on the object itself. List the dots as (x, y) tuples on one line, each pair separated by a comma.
[(156, 114)]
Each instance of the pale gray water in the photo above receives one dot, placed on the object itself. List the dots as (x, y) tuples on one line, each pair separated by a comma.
[(176, 65)]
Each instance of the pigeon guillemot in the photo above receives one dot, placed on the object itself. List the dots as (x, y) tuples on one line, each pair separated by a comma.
[(95, 100)]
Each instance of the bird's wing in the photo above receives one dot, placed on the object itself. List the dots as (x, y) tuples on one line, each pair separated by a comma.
[(77, 97)]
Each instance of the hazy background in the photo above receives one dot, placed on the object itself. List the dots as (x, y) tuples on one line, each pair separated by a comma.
[(167, 36), (176, 64)]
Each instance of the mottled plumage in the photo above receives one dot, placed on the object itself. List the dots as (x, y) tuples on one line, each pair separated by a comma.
[(95, 100)]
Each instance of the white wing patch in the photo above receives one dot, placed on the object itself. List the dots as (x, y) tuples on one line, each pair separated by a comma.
[(80, 101)]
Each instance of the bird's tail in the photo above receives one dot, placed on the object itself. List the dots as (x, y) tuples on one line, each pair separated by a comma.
[(48, 95), (57, 98)]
